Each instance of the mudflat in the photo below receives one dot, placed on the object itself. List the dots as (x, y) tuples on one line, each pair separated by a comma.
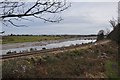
[(29, 44)]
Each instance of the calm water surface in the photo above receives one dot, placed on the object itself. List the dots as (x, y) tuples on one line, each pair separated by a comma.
[(48, 46)]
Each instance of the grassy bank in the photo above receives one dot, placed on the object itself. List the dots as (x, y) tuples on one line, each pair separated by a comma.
[(21, 39), (0, 41), (98, 61)]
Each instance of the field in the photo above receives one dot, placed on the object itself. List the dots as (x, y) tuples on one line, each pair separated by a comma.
[(96, 61), (21, 39)]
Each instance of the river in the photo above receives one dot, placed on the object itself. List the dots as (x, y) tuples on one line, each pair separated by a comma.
[(44, 46)]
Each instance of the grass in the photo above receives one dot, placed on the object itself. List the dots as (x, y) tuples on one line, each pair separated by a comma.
[(82, 63), (0, 39), (111, 69), (21, 39)]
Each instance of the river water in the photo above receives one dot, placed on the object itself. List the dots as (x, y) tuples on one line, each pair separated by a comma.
[(48, 46)]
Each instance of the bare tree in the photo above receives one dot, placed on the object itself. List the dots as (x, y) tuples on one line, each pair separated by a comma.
[(113, 22), (100, 35), (18, 11), (107, 31)]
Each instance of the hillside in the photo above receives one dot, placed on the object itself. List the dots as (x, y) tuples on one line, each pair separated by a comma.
[(95, 61)]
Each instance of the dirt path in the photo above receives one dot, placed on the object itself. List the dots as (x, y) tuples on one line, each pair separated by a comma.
[(56, 50)]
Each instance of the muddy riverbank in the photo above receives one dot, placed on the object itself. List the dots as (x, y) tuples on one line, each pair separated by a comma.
[(29, 44), (28, 47)]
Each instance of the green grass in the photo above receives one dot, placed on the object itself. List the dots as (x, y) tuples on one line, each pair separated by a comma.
[(0, 41), (111, 69), (21, 39)]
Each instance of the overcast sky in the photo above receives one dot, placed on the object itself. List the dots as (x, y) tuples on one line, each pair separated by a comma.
[(81, 18)]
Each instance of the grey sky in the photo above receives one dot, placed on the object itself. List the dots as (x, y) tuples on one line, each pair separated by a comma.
[(80, 18)]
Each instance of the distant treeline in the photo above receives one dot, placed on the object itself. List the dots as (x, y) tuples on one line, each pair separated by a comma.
[(54, 35)]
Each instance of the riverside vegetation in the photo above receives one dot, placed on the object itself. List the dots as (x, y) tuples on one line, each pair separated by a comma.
[(32, 38), (37, 38), (96, 61)]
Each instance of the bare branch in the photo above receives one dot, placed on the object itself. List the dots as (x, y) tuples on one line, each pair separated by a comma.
[(50, 20), (20, 10), (16, 25), (113, 22), (31, 8)]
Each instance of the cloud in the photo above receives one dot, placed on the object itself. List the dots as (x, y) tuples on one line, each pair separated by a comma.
[(80, 18)]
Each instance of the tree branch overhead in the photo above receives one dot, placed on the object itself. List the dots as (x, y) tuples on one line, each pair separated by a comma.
[(35, 9)]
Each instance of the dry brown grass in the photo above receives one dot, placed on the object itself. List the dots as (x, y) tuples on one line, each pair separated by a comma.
[(92, 62)]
